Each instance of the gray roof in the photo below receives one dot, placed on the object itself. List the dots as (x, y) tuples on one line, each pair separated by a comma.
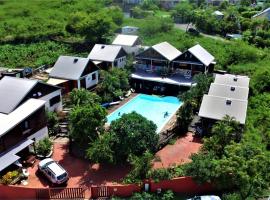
[(265, 13), (12, 92), (216, 108), (9, 157), (125, 40), (69, 67), (232, 80), (227, 91), (167, 50), (8, 121), (102, 52), (201, 54)]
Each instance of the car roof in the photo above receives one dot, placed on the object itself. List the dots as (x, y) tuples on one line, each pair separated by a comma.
[(45, 161), (56, 169)]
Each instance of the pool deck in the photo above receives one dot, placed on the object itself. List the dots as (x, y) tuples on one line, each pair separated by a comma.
[(115, 107)]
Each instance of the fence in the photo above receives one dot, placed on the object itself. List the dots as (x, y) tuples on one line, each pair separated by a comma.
[(182, 185), (12, 192)]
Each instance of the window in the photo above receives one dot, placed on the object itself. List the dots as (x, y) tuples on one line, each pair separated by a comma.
[(94, 77), (55, 100)]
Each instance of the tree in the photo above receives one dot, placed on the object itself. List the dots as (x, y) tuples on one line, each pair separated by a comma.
[(116, 14), (140, 167), (261, 82), (86, 122), (183, 11), (114, 83), (81, 97), (52, 122), (185, 115), (246, 167), (100, 150), (95, 27), (134, 134), (158, 24), (224, 132), (195, 94)]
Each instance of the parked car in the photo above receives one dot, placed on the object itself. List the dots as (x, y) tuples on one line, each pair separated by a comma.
[(193, 31), (53, 171), (206, 197)]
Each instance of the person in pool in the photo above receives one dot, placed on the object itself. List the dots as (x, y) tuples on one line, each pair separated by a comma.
[(166, 114)]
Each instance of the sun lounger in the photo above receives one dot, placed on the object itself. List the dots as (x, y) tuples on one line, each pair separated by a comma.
[(114, 103), (128, 94)]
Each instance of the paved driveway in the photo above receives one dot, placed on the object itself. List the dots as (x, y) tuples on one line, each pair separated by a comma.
[(82, 172)]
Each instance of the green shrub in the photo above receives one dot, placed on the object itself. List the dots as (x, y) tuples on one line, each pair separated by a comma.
[(9, 177), (43, 147), (160, 174)]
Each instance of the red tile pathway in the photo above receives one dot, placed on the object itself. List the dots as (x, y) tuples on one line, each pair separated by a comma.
[(179, 152)]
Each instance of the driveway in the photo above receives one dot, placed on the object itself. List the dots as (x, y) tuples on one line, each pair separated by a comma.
[(82, 173), (184, 28)]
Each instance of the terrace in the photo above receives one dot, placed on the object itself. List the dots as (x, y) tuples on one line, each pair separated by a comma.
[(179, 78)]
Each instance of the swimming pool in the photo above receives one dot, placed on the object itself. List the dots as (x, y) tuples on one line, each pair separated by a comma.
[(157, 109)]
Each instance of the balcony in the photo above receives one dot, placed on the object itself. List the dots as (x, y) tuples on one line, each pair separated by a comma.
[(175, 77)]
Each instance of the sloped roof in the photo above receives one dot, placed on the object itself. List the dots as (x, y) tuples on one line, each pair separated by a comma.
[(216, 108), (201, 54), (167, 50), (69, 67), (232, 80), (12, 92), (12, 119), (125, 40), (102, 52), (227, 91), (265, 13)]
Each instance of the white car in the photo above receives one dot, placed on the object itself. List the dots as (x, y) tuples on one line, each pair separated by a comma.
[(206, 197), (53, 171)]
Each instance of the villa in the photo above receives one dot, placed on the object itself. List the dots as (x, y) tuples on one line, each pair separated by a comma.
[(19, 129), (130, 43), (195, 60), (15, 91), (108, 56), (163, 67), (74, 72), (228, 95)]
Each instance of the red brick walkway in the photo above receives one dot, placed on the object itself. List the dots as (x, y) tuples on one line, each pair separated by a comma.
[(179, 152)]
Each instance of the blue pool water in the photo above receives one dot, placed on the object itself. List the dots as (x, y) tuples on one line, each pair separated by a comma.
[(151, 107)]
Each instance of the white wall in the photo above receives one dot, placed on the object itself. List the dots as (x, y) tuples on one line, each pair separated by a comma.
[(121, 62), (55, 107), (131, 49), (88, 79), (39, 135)]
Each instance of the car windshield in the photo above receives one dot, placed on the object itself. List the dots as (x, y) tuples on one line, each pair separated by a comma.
[(61, 177)]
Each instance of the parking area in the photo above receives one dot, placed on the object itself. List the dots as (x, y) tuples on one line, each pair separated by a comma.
[(81, 172)]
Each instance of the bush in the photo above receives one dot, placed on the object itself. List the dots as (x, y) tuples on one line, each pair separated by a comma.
[(43, 147), (9, 177), (52, 122), (158, 24), (160, 174)]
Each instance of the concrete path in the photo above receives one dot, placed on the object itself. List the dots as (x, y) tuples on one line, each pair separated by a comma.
[(184, 28)]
